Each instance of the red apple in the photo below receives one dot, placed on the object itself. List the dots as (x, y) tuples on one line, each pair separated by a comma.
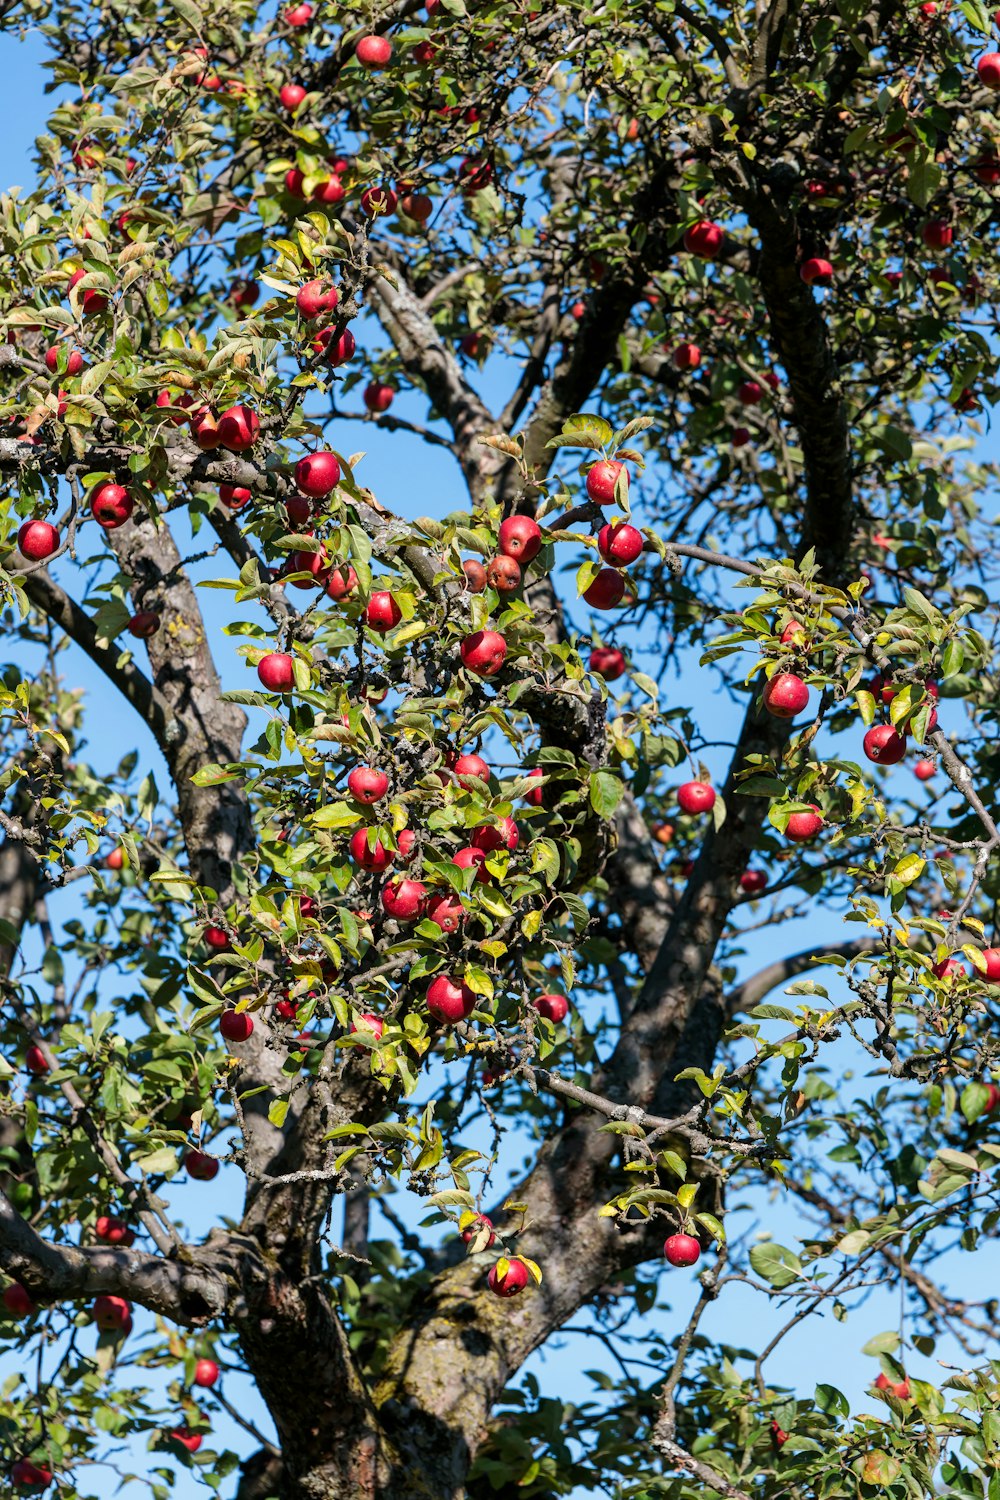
[(115, 860), (606, 591), (378, 859), (447, 911), (338, 350), (804, 825), (750, 393), (292, 95), (378, 396), (373, 51), (663, 833), (315, 564), (682, 1249), (111, 505), (481, 1221), (205, 428), (785, 695), (29, 1476), (316, 297), (234, 496), (602, 478), (514, 1279), (35, 1061), (520, 537), (299, 15), (471, 858), (367, 785), (18, 1301), (404, 899), (449, 1002), (754, 882), (216, 938), (91, 301), (317, 475), (696, 797), (704, 239), (816, 271), (74, 360), (991, 957), (277, 672), (988, 68), (924, 770), (111, 1230), (244, 293), (620, 543), (607, 662), (37, 540), (206, 1372), (110, 1313), (295, 182), (475, 575), (937, 234), (382, 612), (484, 652), (470, 766), (492, 836), (201, 1167), (554, 1008), (987, 169), (503, 574), (741, 436), (239, 428), (369, 1022), (341, 582), (686, 357), (235, 1025), (180, 1435), (884, 745)]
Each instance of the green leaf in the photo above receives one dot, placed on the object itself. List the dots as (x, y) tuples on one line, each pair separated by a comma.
[(606, 791), (775, 1264), (882, 1343)]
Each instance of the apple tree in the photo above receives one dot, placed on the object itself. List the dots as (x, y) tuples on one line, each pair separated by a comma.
[(442, 947)]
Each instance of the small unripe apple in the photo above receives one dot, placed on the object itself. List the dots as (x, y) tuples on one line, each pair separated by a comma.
[(277, 672), (234, 496), (236, 1025), (144, 624), (606, 591), (449, 1002), (382, 613), (554, 1008), (513, 1281), (238, 428), (484, 652), (475, 575), (378, 859), (804, 825), (373, 51), (602, 478), (471, 858), (18, 1301), (74, 361), (37, 540), (206, 1372), (110, 1313), (620, 543), (318, 474), (816, 271), (481, 1221), (201, 1167), (404, 899), (785, 695), (367, 785), (520, 537), (682, 1249), (503, 574), (753, 882), (491, 836), (696, 797), (316, 297), (292, 95), (608, 662), (884, 745), (988, 68), (378, 396), (111, 505), (686, 357), (447, 911), (704, 239), (35, 1061)]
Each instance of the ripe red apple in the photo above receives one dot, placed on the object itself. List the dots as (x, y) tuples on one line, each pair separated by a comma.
[(536, 796), (554, 1008), (471, 858), (35, 1061), (111, 505), (382, 612), (316, 297), (449, 1002), (180, 1435), (794, 634), (785, 695), (447, 911), (987, 169), (901, 1390), (369, 1022), (18, 1301), (994, 1097), (481, 1221), (696, 797), (884, 745), (754, 882), (115, 859), (503, 574), (520, 537), (816, 271), (606, 591), (704, 239), (376, 201), (367, 785), (277, 672), (484, 652), (577, 310), (682, 1249), (206, 1372), (378, 859), (373, 51), (804, 825), (295, 182), (514, 1279), (111, 1230), (239, 428), (318, 474), (216, 938), (948, 968), (937, 234), (378, 396), (502, 835), (475, 575), (924, 770), (299, 15), (74, 360), (341, 582), (30, 1476), (750, 393), (471, 765), (620, 543), (37, 540), (663, 833), (474, 174), (602, 478), (337, 350), (91, 300), (315, 564), (110, 1313), (607, 662), (201, 1167), (292, 95), (991, 957), (404, 899), (143, 624), (988, 68), (741, 436), (686, 357), (234, 496), (244, 293), (236, 1025), (205, 428)]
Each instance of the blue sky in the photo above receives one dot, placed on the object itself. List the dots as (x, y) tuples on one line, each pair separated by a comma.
[(412, 478)]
